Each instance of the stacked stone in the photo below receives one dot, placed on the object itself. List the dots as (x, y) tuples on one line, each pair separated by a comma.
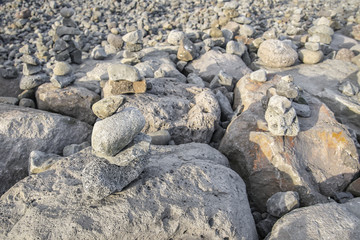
[(122, 151), (295, 27), (62, 74), (65, 47), (311, 54), (133, 41), (33, 75), (123, 79)]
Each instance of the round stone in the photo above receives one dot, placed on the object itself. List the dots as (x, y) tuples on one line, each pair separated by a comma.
[(275, 53), (67, 12), (310, 57), (115, 40), (62, 68)]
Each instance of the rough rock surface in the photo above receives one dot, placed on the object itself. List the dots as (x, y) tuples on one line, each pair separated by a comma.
[(323, 221), (184, 192), (320, 161), (23, 130), (72, 101), (282, 202), (275, 53), (190, 113), (212, 62)]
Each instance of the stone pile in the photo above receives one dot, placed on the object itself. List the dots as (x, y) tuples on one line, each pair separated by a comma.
[(133, 41), (312, 53), (123, 79), (65, 47), (123, 153), (62, 74)]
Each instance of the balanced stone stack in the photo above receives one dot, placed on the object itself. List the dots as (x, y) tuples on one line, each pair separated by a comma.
[(321, 32), (311, 54), (123, 79), (122, 151), (65, 47), (133, 41), (32, 70), (62, 74)]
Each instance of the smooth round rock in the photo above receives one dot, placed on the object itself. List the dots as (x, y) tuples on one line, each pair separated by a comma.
[(67, 12), (282, 202), (310, 57), (275, 53), (62, 68)]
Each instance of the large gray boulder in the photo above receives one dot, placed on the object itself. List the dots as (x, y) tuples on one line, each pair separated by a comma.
[(23, 130), (185, 192), (209, 65), (322, 221), (190, 113)]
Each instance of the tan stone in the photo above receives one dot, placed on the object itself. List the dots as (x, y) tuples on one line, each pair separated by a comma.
[(216, 33), (354, 188), (123, 86)]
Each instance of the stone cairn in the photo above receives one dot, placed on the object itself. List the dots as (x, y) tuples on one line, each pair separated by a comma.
[(65, 47), (122, 153), (62, 74), (133, 41)]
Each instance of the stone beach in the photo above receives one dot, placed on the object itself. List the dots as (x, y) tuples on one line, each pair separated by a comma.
[(192, 119)]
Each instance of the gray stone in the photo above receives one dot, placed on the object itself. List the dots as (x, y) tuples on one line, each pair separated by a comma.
[(98, 53), (322, 221), (74, 148), (9, 100), (302, 110), (27, 102), (29, 69), (348, 89), (112, 134), (264, 226), (282, 202), (30, 59), (9, 72), (225, 106), (107, 106), (161, 137), (275, 53), (310, 57), (320, 38), (76, 56), (192, 178), (60, 45), (133, 37), (26, 49), (281, 117), (287, 88), (62, 81), (23, 130), (246, 30), (41, 161), (195, 79), (321, 29), (237, 48), (68, 22), (67, 12), (115, 41), (312, 46), (62, 30), (175, 37), (62, 68), (123, 72), (258, 76), (33, 81)]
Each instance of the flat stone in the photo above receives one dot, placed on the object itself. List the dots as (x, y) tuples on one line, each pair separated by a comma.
[(133, 37), (62, 81), (107, 106), (123, 72), (33, 81), (258, 76), (29, 69), (122, 87), (62, 30), (312, 46), (30, 59), (112, 134)]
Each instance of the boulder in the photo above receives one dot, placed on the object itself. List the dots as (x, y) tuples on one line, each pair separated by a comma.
[(277, 54), (208, 65), (184, 192), (190, 113), (322, 221), (72, 101), (320, 161), (23, 130)]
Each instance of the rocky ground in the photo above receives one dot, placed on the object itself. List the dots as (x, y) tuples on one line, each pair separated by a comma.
[(184, 119)]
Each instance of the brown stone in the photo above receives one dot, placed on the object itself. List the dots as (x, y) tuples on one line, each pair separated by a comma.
[(354, 188), (216, 32), (123, 86), (345, 54), (356, 32), (186, 51)]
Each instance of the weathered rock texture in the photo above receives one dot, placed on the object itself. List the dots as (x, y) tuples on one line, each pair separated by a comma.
[(320, 161), (275, 53), (185, 192), (23, 130), (190, 113), (323, 221)]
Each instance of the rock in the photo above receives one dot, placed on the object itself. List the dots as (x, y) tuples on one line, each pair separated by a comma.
[(356, 32), (40, 161), (348, 89), (76, 56), (237, 48), (190, 113), (23, 14), (26, 49), (30, 59), (212, 62), (101, 178), (99, 72), (67, 12), (115, 41), (98, 53), (161, 137), (9, 72), (62, 68), (344, 54), (9, 100), (26, 102), (225, 106), (275, 53), (302, 110), (133, 37), (246, 30), (31, 69), (281, 117), (23, 130), (74, 148), (112, 134), (33, 81), (323, 221), (123, 72), (343, 197), (222, 79), (354, 188), (62, 81), (195, 79), (286, 87), (310, 57), (282, 202), (175, 37), (321, 29), (184, 178), (62, 30), (312, 46), (133, 47), (258, 76), (216, 32), (320, 38), (51, 98), (271, 164), (107, 106), (186, 51), (264, 226), (112, 88)]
